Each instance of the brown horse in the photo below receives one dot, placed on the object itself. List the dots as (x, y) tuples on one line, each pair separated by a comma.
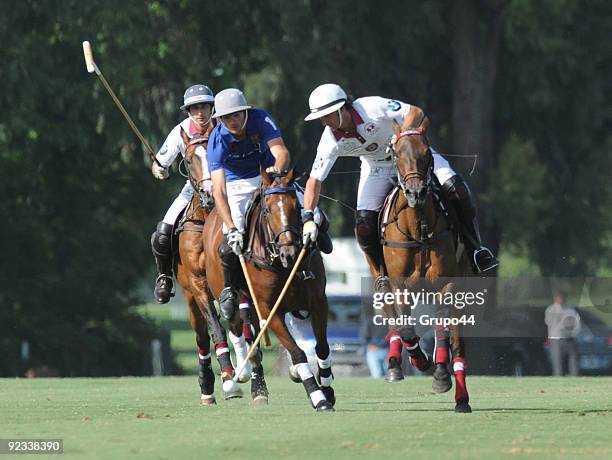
[(191, 275), (273, 242), (420, 249)]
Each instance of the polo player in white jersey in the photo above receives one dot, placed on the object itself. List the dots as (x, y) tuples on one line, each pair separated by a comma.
[(198, 103), (364, 128)]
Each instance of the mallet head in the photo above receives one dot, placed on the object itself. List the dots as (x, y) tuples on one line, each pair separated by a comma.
[(89, 61)]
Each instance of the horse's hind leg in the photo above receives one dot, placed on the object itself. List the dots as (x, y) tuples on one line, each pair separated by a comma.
[(324, 358), (300, 362), (441, 376), (462, 397), (259, 388), (206, 376), (394, 357)]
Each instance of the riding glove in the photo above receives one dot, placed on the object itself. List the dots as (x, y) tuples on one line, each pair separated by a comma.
[(235, 241), (310, 230), (159, 172)]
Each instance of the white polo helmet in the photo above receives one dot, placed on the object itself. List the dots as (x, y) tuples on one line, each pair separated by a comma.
[(197, 94), (228, 101), (324, 100)]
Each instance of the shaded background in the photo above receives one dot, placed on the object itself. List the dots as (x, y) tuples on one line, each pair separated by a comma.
[(525, 85)]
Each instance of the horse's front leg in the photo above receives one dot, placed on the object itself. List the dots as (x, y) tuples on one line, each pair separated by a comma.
[(462, 397), (319, 310), (259, 388), (300, 364)]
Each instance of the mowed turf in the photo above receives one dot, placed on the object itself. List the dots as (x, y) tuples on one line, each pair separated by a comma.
[(160, 418)]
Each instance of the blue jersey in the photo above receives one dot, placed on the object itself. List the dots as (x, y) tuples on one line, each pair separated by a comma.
[(243, 159)]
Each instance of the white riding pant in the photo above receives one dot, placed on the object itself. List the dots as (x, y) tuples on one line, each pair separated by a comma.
[(377, 179), (179, 203), (240, 192)]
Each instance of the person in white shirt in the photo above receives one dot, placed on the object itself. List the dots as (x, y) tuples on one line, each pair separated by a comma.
[(363, 128), (563, 322), (198, 102)]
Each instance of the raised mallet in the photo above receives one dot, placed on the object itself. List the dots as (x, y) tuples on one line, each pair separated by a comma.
[(91, 68)]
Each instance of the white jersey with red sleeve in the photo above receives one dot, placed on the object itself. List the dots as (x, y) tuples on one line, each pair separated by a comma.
[(373, 117)]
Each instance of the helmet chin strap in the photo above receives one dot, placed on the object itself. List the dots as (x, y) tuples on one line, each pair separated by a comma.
[(195, 122), (246, 117)]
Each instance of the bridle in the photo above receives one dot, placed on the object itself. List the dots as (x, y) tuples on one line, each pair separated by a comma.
[(273, 242), (427, 178), (206, 199)]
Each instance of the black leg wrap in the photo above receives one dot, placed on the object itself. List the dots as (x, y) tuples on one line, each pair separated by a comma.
[(310, 384), (206, 379), (224, 361)]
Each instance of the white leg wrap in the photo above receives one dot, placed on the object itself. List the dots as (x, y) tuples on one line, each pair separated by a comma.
[(414, 347), (244, 306), (203, 357), (241, 349), (458, 366), (304, 371), (325, 363), (316, 397)]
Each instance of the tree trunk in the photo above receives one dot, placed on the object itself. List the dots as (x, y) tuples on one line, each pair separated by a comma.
[(476, 28)]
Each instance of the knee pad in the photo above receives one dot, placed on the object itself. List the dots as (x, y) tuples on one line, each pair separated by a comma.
[(161, 239), (366, 227)]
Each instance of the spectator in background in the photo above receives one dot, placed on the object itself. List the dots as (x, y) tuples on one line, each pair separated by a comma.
[(376, 345), (563, 322)]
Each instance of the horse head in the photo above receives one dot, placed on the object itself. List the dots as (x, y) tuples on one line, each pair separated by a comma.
[(413, 159), (281, 212), (195, 150)]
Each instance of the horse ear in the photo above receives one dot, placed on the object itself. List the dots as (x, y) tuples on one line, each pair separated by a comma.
[(396, 127), (267, 180), (424, 124), (184, 136)]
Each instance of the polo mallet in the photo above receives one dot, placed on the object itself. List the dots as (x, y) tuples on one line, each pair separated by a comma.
[(271, 315), (91, 68), (253, 298)]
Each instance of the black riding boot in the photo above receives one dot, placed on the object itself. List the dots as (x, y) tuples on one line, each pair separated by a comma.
[(228, 300), (459, 195), (324, 241), (366, 232), (161, 244)]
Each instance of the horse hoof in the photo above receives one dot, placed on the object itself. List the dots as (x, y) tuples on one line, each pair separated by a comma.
[(208, 400), (394, 374), (260, 400), (325, 406), (329, 395), (441, 379), (231, 390), (462, 407), (293, 375)]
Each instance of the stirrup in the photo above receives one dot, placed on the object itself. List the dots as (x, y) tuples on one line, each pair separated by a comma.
[(488, 260), (163, 289)]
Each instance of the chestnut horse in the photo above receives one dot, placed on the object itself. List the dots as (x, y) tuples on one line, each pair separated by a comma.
[(420, 249), (191, 275), (273, 240)]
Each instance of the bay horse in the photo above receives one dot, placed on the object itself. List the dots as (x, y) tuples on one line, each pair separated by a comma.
[(273, 240), (191, 274), (420, 249)]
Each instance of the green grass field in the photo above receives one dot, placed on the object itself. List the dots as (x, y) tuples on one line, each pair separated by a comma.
[(160, 418)]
